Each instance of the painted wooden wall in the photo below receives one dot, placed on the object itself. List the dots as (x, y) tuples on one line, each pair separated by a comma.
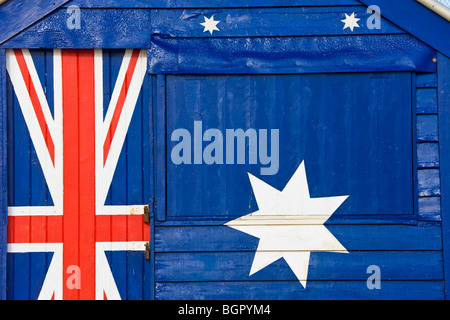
[(202, 258), (198, 257), (3, 196), (360, 107)]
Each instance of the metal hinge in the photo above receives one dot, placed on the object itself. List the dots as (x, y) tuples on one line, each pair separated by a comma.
[(147, 250), (146, 214)]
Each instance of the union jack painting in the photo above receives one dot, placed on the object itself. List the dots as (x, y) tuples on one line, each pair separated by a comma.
[(78, 134)]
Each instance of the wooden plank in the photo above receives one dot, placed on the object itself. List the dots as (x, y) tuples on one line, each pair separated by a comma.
[(427, 127), (426, 100), (148, 290), (29, 12), (264, 22), (316, 54), (353, 237), (292, 290), (428, 155), (100, 28), (426, 80), (160, 141), (235, 266), (3, 175), (444, 144), (428, 182), (206, 3), (429, 208)]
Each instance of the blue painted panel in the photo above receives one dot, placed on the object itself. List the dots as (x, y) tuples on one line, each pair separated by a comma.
[(427, 127), (265, 22), (26, 283), (234, 266), (428, 154), (430, 208), (290, 55), (112, 28), (130, 269), (207, 4), (429, 182), (427, 100), (200, 262), (352, 130), (25, 172), (29, 12), (426, 80), (355, 237), (289, 290)]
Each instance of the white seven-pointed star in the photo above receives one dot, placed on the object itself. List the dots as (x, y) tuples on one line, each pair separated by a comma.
[(210, 24), (350, 21), (289, 224)]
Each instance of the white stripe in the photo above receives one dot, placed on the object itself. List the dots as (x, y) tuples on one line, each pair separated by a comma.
[(58, 137), (33, 247), (107, 172), (54, 277), (121, 246), (104, 280), (40, 92), (32, 123), (34, 211), (98, 82), (116, 93), (120, 210), (53, 281)]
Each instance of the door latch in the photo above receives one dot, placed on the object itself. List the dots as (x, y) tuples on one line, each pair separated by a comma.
[(147, 250), (146, 214)]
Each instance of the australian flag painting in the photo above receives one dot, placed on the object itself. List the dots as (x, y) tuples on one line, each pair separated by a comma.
[(217, 150), (77, 149)]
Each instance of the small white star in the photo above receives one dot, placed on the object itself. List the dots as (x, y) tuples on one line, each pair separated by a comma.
[(210, 24), (350, 21)]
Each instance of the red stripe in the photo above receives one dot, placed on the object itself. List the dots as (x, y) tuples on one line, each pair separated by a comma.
[(79, 170), (34, 229), (48, 229), (126, 228), (120, 104), (35, 102)]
